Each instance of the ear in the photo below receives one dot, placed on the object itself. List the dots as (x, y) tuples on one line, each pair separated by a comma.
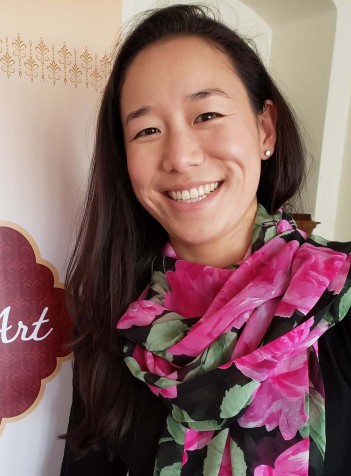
[(267, 121)]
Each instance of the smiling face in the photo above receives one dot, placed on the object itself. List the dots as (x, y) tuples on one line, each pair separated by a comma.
[(194, 147)]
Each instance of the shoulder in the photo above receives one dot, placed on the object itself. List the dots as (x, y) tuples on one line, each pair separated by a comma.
[(335, 352), (335, 360)]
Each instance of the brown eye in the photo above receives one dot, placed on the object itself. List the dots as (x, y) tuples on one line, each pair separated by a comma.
[(147, 132), (207, 116)]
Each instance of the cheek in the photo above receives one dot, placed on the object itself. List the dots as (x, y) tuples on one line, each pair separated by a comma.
[(133, 173), (140, 178), (236, 143), (143, 170), (137, 172)]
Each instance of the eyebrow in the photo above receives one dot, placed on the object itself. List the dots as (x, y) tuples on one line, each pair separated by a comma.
[(142, 111), (193, 97), (205, 93)]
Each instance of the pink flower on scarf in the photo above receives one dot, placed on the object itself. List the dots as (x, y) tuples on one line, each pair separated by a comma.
[(169, 392), (193, 287), (195, 440), (154, 364), (159, 366), (140, 313), (262, 362), (261, 277), (312, 271), (280, 399), (283, 225), (256, 327), (169, 251), (339, 281), (139, 356), (292, 462)]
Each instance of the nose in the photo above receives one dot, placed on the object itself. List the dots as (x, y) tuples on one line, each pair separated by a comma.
[(182, 150)]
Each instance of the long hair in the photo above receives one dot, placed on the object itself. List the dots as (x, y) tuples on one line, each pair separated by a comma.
[(118, 238)]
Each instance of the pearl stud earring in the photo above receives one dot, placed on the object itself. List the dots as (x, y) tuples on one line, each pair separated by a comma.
[(267, 153)]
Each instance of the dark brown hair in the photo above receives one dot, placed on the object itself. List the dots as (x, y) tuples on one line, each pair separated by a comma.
[(118, 238)]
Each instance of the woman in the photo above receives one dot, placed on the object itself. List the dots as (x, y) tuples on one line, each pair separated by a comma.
[(222, 364)]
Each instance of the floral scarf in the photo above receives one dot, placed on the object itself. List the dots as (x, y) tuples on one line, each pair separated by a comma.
[(233, 353)]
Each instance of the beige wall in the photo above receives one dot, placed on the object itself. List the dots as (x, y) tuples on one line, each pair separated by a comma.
[(343, 215), (333, 185), (47, 121), (301, 63)]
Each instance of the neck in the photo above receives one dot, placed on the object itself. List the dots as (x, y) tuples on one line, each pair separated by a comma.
[(229, 249)]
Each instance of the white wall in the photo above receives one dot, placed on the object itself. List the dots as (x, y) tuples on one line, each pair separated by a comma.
[(332, 207), (343, 215), (301, 63)]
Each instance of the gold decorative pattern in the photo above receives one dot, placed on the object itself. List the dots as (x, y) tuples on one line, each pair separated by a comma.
[(54, 69), (65, 59), (6, 61), (96, 78), (19, 50), (42, 55), (75, 72), (87, 60), (38, 60), (31, 65), (105, 67)]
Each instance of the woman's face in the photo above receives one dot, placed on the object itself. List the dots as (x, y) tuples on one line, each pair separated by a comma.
[(194, 145)]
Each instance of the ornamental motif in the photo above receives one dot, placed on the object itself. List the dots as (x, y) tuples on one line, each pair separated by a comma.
[(54, 69), (75, 72), (19, 50), (42, 56), (96, 78), (6, 61), (56, 64), (31, 66), (65, 59), (86, 64)]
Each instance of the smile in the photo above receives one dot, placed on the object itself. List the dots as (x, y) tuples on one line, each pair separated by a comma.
[(194, 194)]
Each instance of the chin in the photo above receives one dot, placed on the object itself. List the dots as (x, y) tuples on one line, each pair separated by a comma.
[(192, 240)]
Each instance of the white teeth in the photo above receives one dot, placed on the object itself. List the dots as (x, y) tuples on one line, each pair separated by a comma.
[(192, 200), (194, 194), (185, 195)]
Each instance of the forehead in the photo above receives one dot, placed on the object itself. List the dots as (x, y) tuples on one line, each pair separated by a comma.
[(184, 47), (179, 65)]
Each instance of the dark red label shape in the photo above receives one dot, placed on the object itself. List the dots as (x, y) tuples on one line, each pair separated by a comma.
[(34, 325)]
